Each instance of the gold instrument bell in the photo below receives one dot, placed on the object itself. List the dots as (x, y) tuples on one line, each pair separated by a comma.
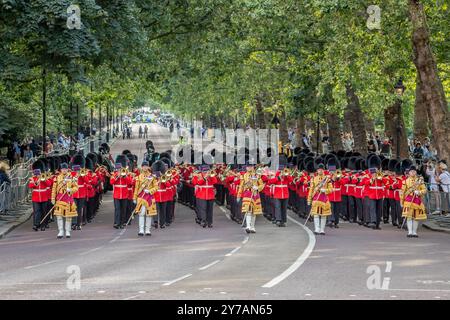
[(286, 172), (123, 171)]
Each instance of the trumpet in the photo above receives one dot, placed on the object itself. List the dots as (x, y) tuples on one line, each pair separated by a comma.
[(286, 172), (166, 177), (123, 172), (83, 172), (210, 174), (337, 174)]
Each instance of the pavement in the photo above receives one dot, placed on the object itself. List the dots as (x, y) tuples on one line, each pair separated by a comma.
[(186, 261), (438, 223)]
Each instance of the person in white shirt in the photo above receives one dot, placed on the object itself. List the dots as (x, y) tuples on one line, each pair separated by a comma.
[(444, 183), (434, 187)]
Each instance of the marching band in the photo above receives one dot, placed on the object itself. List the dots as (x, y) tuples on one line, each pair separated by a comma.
[(327, 188)]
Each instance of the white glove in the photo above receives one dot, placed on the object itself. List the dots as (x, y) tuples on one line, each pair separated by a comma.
[(134, 201), (323, 190), (255, 187), (417, 193), (68, 190), (147, 191)]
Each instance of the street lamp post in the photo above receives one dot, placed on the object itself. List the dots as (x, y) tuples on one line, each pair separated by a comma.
[(399, 90)]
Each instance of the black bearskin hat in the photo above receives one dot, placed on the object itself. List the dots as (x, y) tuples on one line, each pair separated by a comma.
[(374, 162), (159, 166), (78, 160), (89, 164)]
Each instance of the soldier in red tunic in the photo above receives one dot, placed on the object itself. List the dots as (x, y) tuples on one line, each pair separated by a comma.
[(39, 183), (335, 196), (92, 181), (280, 192), (375, 190), (78, 170), (162, 194), (205, 195), (121, 181)]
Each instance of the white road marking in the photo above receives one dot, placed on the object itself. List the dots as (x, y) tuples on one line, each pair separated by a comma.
[(353, 295), (437, 297), (421, 290), (84, 282), (142, 292), (42, 264), (178, 279), (223, 292), (181, 291), (393, 296), (209, 265), (232, 252), (90, 251), (245, 240), (132, 297), (226, 213), (300, 260), (101, 291), (308, 294), (265, 294), (115, 239)]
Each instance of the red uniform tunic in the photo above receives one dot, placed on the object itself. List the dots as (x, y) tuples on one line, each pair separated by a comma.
[(348, 185), (120, 185), (92, 185), (163, 194), (336, 195), (39, 189), (204, 187), (82, 186), (279, 186), (375, 189)]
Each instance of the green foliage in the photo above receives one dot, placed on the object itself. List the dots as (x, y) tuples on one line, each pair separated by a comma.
[(207, 58)]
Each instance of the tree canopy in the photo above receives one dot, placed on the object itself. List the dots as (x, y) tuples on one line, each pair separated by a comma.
[(220, 61)]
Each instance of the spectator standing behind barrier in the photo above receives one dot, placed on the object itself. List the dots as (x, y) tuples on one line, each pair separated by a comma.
[(386, 148), (435, 197), (444, 184), (3, 175), (27, 154)]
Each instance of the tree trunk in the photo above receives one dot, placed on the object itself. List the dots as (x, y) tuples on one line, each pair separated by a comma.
[(421, 121), (260, 120), (370, 125), (356, 118), (334, 128), (347, 124), (395, 128), (283, 129), (431, 86)]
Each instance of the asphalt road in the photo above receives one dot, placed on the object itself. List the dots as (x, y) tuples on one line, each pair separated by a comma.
[(185, 261)]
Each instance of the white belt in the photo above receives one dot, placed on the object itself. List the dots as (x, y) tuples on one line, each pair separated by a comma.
[(160, 190), (350, 185), (199, 186), (120, 186), (280, 185), (376, 188), (40, 190), (359, 187), (338, 189)]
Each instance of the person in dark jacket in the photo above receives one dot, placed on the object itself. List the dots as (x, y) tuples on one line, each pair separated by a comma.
[(3, 175)]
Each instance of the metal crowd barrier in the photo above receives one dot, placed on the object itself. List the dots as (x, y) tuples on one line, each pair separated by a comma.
[(16, 192), (436, 200)]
